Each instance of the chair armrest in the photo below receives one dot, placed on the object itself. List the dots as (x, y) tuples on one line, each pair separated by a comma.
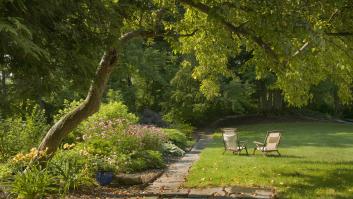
[(243, 141), (259, 143)]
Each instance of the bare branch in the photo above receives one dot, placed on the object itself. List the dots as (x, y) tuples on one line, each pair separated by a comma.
[(301, 49)]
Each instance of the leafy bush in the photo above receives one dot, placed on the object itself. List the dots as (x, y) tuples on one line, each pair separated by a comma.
[(144, 160), (5, 171), (34, 183), (71, 170), (112, 111), (185, 128), (171, 149), (17, 134), (176, 137), (108, 113), (120, 149), (10, 139), (35, 127), (151, 138)]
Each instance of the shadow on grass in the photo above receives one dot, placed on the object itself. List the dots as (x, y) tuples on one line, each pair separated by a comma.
[(336, 183), (290, 140)]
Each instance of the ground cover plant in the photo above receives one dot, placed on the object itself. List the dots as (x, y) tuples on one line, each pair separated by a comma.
[(316, 161)]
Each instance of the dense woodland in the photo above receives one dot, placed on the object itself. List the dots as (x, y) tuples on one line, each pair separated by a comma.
[(188, 61)]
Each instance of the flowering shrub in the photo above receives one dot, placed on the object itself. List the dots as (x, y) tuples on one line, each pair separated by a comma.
[(151, 137), (122, 147), (21, 160), (112, 113)]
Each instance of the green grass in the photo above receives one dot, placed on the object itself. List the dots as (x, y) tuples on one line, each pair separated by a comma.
[(316, 162)]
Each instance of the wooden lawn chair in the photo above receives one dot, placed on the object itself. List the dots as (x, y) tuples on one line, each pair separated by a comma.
[(231, 141), (270, 144)]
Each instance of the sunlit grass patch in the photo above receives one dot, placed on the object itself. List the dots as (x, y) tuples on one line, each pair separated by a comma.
[(316, 161)]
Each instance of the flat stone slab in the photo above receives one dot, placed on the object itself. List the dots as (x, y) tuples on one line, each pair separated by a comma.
[(249, 192), (207, 192)]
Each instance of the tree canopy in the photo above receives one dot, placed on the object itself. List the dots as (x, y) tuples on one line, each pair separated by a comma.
[(50, 48)]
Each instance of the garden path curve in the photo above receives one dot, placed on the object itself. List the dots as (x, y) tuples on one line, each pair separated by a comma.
[(170, 182)]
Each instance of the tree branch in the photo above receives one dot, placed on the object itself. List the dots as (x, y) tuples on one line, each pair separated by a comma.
[(176, 34), (301, 49), (343, 34)]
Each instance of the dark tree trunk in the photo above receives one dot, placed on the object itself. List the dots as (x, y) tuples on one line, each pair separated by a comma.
[(337, 105), (3, 83), (278, 100)]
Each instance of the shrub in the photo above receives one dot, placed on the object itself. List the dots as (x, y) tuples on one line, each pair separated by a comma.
[(34, 183), (125, 150), (176, 137), (21, 160), (112, 111), (151, 138), (171, 149), (17, 134), (5, 171), (71, 170), (144, 160), (10, 137), (185, 128), (35, 127)]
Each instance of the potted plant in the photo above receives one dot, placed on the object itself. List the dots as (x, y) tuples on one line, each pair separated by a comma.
[(104, 174)]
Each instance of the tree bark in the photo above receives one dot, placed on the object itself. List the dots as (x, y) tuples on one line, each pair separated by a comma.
[(90, 105)]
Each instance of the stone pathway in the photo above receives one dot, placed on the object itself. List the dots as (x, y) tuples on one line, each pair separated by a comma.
[(169, 184), (174, 176)]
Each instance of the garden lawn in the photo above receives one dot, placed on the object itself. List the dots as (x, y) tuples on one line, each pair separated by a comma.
[(316, 162)]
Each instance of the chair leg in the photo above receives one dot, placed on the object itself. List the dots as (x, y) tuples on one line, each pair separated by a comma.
[(223, 152), (246, 150), (278, 153), (254, 151)]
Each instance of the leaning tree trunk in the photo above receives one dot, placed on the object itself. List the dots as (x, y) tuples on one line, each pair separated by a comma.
[(90, 105)]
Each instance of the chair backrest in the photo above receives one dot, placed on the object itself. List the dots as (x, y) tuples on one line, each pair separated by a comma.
[(272, 139), (229, 130), (230, 138)]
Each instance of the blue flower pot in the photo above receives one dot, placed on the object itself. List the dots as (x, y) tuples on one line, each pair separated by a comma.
[(104, 177)]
